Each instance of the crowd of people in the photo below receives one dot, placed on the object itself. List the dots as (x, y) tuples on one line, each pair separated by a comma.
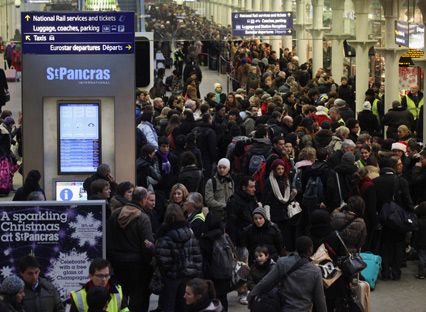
[(265, 174)]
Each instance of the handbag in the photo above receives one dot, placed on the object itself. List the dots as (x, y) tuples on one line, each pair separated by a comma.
[(240, 272), (329, 270), (293, 209), (351, 264), (10, 74)]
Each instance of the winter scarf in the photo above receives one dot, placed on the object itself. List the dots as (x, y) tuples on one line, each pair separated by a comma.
[(276, 189)]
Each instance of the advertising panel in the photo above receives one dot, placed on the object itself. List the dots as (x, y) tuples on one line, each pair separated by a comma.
[(64, 237)]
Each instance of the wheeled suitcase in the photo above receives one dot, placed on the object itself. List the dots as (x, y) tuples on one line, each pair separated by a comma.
[(371, 272)]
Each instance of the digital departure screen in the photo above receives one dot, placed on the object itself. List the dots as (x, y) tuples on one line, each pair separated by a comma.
[(79, 138)]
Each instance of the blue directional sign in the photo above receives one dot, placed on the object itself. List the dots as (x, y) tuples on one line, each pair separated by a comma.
[(262, 23), (78, 32)]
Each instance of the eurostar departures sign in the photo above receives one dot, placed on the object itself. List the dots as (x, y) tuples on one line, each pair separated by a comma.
[(262, 23), (77, 33)]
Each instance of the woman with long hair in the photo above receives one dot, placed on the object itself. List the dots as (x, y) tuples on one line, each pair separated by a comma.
[(278, 194), (31, 184)]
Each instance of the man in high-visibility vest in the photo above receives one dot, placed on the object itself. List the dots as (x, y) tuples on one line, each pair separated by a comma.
[(413, 101), (99, 274), (193, 206)]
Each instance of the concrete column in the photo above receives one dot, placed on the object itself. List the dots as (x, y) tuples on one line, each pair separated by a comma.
[(236, 4), (257, 5), (217, 17), (422, 62), (249, 5), (301, 35), (287, 41), (229, 14), (362, 45), (391, 52), (317, 32), (337, 36)]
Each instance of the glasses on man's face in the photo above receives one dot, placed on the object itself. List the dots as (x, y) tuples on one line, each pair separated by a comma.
[(103, 276)]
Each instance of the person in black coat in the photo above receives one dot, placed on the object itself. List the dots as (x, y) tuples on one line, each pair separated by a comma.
[(179, 258), (389, 186), (260, 266), (418, 179), (190, 175), (3, 87), (206, 141), (419, 239), (396, 117), (213, 230), (263, 232), (343, 177), (239, 210), (368, 121)]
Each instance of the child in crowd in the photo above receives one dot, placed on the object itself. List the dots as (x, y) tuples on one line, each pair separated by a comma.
[(261, 266)]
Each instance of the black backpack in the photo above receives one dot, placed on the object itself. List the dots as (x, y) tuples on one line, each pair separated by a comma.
[(223, 258)]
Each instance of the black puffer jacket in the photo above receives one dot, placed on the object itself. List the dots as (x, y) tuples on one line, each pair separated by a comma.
[(44, 297), (268, 235), (239, 215), (257, 272), (178, 252)]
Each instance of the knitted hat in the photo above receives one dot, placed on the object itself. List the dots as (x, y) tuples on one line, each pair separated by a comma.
[(266, 97), (240, 90), (11, 285), (348, 158), (276, 163), (9, 121), (217, 85), (261, 211), (224, 162), (366, 105), (399, 147)]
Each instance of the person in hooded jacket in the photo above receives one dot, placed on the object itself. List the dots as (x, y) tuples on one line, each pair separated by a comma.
[(179, 258), (419, 240), (395, 117), (200, 296), (219, 189), (124, 195), (263, 232), (350, 224), (130, 248)]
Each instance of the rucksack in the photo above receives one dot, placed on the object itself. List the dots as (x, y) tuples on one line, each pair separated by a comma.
[(313, 194), (223, 258), (260, 178), (255, 163)]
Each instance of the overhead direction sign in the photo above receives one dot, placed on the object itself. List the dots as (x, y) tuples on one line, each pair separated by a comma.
[(78, 33), (262, 23)]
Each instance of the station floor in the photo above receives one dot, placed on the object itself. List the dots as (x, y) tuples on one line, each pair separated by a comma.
[(406, 295)]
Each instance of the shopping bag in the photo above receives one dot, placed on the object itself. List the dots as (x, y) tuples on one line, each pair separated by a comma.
[(11, 74)]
